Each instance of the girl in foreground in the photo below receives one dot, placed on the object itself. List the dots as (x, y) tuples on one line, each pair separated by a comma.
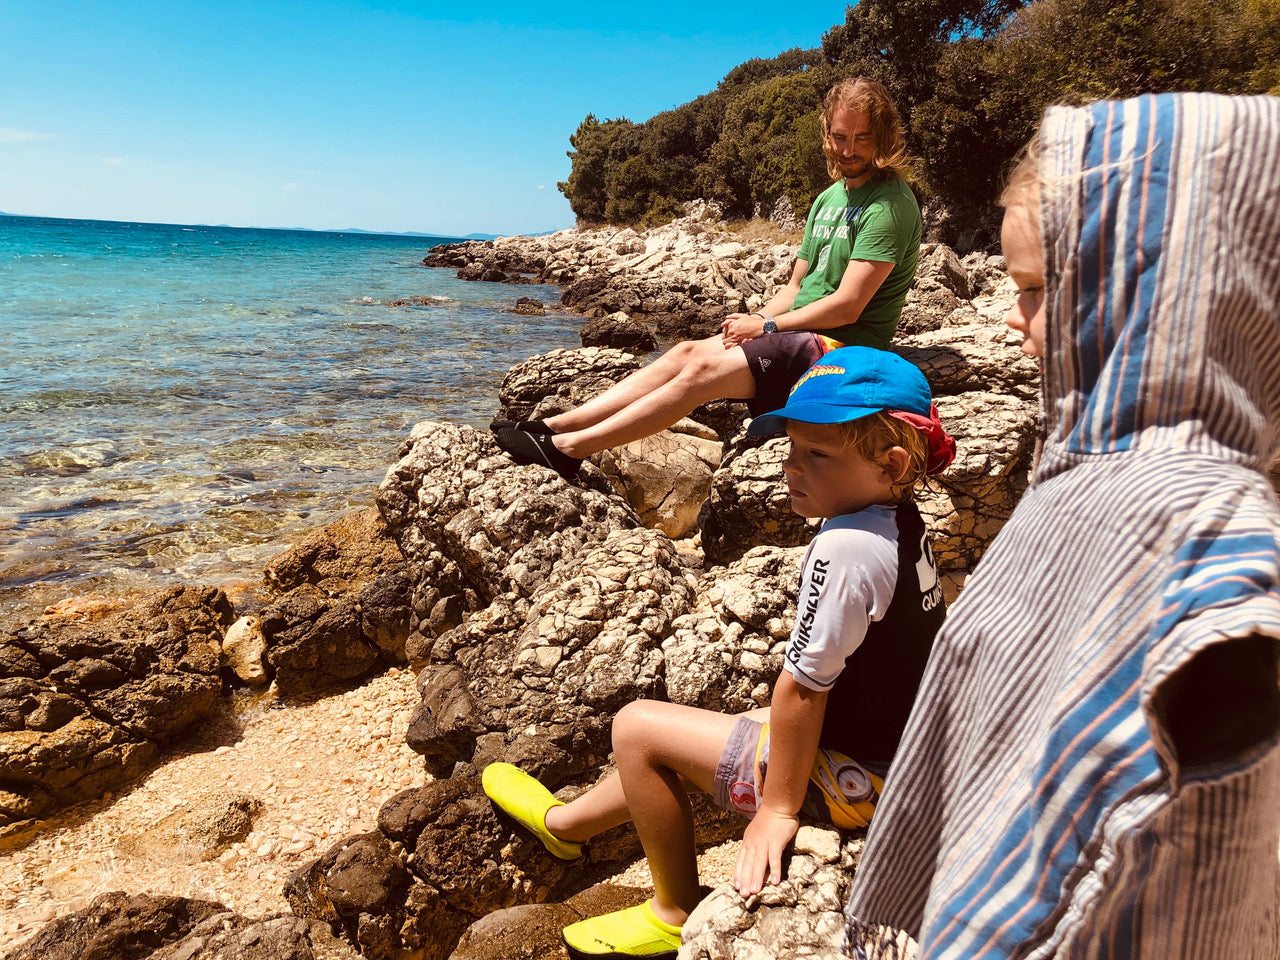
[(1092, 768), (863, 432)]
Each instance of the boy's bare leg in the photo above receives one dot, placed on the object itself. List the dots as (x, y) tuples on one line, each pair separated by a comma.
[(601, 807), (654, 397), (661, 749), (605, 805)]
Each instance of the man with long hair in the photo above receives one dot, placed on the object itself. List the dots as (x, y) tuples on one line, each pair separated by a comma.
[(855, 264)]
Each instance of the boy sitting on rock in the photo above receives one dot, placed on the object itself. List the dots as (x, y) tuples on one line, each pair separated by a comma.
[(863, 432)]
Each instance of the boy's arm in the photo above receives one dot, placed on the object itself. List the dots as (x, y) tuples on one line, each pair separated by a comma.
[(795, 723)]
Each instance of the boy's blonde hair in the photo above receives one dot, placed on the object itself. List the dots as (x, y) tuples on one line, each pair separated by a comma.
[(871, 436)]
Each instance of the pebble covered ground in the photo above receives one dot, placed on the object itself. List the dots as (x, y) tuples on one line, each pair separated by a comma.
[(320, 769)]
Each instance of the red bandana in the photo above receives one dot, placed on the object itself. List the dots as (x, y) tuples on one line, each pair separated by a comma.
[(942, 448)]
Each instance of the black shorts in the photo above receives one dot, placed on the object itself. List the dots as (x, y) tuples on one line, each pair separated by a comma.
[(777, 361)]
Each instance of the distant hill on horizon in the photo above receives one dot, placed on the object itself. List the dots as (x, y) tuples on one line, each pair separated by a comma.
[(414, 233), (228, 226)]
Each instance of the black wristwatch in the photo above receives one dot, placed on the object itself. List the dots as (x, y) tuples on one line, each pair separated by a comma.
[(770, 325)]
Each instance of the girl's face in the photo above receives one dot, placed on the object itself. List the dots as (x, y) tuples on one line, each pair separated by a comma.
[(1020, 239)]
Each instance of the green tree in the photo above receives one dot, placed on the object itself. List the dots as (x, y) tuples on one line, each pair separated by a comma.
[(598, 147), (749, 141), (901, 42), (771, 144), (760, 69), (963, 149), (970, 77), (1090, 49), (1076, 51), (982, 74)]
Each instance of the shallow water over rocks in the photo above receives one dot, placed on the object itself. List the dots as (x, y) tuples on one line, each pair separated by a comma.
[(179, 402)]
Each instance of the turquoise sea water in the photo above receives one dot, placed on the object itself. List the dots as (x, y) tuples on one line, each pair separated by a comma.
[(178, 402)]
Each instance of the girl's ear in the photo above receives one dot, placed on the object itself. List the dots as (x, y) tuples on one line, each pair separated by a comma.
[(895, 463)]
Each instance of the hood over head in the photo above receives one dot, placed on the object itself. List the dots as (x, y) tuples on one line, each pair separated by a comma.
[(1160, 220)]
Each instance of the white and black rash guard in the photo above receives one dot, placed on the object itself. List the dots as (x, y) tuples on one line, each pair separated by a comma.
[(868, 608)]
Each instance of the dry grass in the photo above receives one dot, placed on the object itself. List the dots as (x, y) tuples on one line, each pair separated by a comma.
[(759, 230)]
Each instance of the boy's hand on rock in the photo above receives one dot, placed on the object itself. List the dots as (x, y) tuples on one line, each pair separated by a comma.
[(763, 843)]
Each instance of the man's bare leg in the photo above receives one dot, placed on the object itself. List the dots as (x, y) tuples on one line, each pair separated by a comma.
[(632, 387), (643, 403)]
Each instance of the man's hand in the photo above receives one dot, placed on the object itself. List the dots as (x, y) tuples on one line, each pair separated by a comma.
[(738, 328), (763, 843)]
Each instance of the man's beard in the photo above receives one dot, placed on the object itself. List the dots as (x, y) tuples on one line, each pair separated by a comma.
[(855, 168)]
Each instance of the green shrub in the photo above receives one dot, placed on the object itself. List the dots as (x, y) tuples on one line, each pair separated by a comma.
[(970, 77)]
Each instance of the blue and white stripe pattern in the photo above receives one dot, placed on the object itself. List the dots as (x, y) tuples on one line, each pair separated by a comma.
[(1036, 807)]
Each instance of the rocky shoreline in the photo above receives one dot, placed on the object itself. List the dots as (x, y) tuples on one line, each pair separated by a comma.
[(529, 610)]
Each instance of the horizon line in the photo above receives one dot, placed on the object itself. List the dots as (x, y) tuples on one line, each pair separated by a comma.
[(228, 226)]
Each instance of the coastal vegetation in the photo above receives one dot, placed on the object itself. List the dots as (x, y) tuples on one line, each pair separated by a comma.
[(971, 77)]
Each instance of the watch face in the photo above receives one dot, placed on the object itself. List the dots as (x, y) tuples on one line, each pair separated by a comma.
[(770, 326)]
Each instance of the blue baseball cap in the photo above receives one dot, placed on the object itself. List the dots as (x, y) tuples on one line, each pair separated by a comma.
[(848, 383)]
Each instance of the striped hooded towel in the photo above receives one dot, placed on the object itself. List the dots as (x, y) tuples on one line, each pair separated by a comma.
[(1092, 766)]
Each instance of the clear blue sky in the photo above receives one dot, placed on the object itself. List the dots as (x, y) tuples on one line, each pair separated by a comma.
[(396, 116)]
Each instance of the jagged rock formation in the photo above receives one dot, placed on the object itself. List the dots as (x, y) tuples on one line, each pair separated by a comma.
[(120, 926), (619, 331), (554, 382), (441, 860), (679, 279), (667, 476), (342, 606), (803, 916), (85, 706), (535, 608)]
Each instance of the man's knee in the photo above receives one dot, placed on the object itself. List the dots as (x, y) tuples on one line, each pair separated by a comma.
[(708, 362), (680, 354)]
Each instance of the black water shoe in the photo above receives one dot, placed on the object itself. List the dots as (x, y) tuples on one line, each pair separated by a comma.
[(537, 448), (528, 426)]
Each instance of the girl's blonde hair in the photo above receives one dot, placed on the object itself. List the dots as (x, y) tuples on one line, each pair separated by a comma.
[(1022, 183), (1025, 179), (871, 437)]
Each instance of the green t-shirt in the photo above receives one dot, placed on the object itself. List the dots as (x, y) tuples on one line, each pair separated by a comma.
[(878, 221)]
